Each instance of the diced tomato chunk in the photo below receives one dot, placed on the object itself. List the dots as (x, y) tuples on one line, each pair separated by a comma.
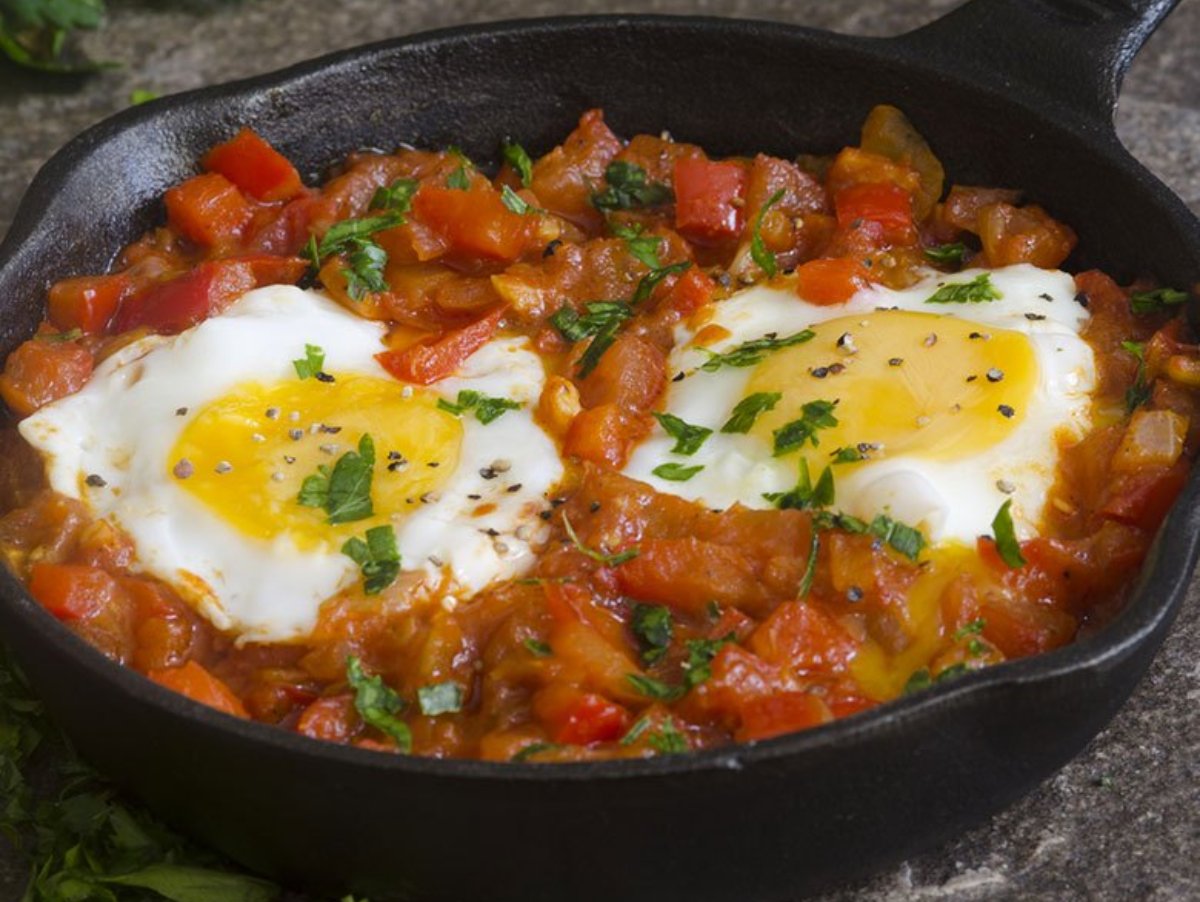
[(88, 302), (194, 681), (71, 591), (632, 374), (787, 712), (830, 281), (687, 574), (709, 199), (333, 719), (209, 210), (428, 361), (255, 167), (605, 434), (884, 203), (1143, 498), (579, 718), (799, 636), (474, 222), (691, 291), (40, 371)]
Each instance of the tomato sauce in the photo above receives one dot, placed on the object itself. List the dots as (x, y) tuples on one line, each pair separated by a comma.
[(649, 624)]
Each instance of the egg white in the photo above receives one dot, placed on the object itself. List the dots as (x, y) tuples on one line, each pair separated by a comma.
[(122, 426)]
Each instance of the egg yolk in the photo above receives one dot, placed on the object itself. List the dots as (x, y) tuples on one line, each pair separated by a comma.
[(936, 387), (247, 454)]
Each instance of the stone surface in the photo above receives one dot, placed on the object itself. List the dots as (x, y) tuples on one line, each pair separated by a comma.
[(1122, 821)]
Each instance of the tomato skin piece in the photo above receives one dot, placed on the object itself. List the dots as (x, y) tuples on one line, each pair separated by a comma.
[(87, 303), (709, 200), (180, 303), (255, 167), (474, 222), (71, 591), (429, 361), (830, 281), (880, 202), (208, 210), (574, 717), (194, 681), (39, 372)]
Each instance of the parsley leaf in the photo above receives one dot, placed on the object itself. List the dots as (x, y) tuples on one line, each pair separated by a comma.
[(1140, 391), (652, 625), (752, 353), (838, 520), (396, 197), (655, 689), (440, 698), (698, 666), (903, 538), (810, 566), (947, 254), (537, 648), (977, 290), (1006, 537), (647, 283), (378, 557), (804, 495), (346, 235), (345, 491), (675, 472), (748, 409), (601, 342), (513, 201), (848, 455), (487, 409), (377, 704), (460, 178), (688, 438), (628, 189), (974, 628), (516, 157), (598, 316), (668, 740), (643, 248), (608, 560), (311, 363), (534, 748), (758, 250), (364, 274), (1143, 302), (814, 416)]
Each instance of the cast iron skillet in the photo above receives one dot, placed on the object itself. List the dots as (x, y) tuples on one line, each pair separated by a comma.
[(1008, 92)]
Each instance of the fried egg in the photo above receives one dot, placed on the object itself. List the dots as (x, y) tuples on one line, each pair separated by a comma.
[(937, 413), (198, 447)]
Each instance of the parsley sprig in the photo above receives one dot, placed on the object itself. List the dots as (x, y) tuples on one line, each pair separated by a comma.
[(1141, 390), (654, 628), (752, 353), (628, 189), (343, 491), (311, 363), (747, 410), (1005, 535), (600, 557), (758, 249), (377, 557), (516, 157), (378, 704), (979, 289), (805, 495), (814, 416), (676, 472), (688, 437), (1143, 302), (486, 408), (947, 254)]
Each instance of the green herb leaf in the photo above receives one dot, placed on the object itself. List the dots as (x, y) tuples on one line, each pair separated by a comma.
[(311, 363), (487, 409), (918, 680), (640, 726), (138, 96), (55, 338), (396, 197), (440, 698), (837, 520), (758, 250), (181, 883), (977, 290), (601, 342), (344, 492), (534, 748), (377, 704), (974, 628), (848, 455), (810, 566), (345, 235), (698, 666), (1006, 536), (804, 495), (652, 625), (608, 560), (947, 254), (364, 272), (647, 283), (814, 416), (748, 410), (668, 740), (1142, 302), (655, 689), (901, 537), (378, 557), (458, 179), (688, 438), (752, 353), (598, 316), (514, 201), (516, 157), (644, 248), (537, 648), (628, 189), (1141, 390), (676, 472)]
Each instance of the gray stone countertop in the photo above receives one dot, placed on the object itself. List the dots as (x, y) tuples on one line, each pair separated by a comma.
[(1122, 821)]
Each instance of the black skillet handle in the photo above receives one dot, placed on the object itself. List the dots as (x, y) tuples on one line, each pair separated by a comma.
[(1072, 51)]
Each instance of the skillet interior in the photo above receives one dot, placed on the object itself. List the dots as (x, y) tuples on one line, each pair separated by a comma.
[(767, 822)]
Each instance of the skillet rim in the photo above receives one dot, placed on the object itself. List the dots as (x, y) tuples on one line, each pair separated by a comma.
[(1151, 606)]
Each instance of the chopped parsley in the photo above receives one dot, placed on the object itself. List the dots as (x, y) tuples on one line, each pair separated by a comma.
[(343, 492), (688, 438), (516, 157), (810, 566), (947, 254), (652, 625), (514, 201), (748, 409), (378, 558), (440, 698), (655, 689), (1006, 537), (378, 704), (534, 748), (804, 495), (977, 290), (647, 283), (487, 409), (838, 520), (396, 197), (1143, 302), (537, 648), (849, 455), (758, 250), (644, 248), (1140, 391), (598, 317), (364, 270), (628, 189), (814, 416), (608, 560), (667, 739), (900, 536), (752, 353), (675, 472), (921, 679), (309, 365), (974, 628), (342, 236), (459, 179), (698, 666)]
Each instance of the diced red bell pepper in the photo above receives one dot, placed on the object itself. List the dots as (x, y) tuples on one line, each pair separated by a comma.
[(428, 361), (1143, 498), (691, 291), (883, 203), (474, 222), (578, 718), (72, 591), (204, 291), (831, 280), (41, 371), (209, 210), (255, 167), (709, 200), (194, 681), (88, 302)]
